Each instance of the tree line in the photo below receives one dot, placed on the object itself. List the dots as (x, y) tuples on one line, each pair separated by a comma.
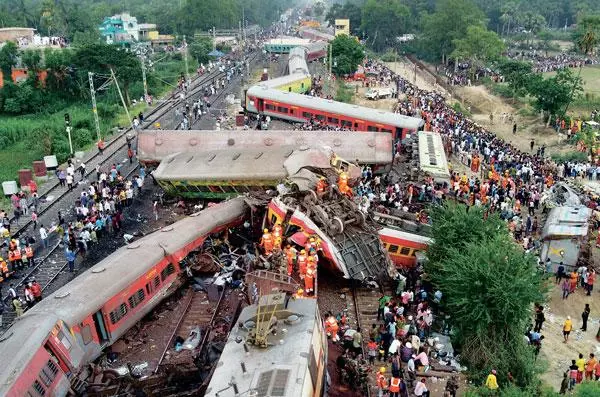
[(77, 20), (438, 25)]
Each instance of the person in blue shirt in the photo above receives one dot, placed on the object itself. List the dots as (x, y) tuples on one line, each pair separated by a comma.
[(70, 257)]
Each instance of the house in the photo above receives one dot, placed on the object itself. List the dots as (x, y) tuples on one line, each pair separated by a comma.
[(146, 30), (14, 34), (342, 26), (120, 29)]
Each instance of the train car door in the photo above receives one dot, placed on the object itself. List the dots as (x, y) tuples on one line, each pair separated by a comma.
[(260, 106), (100, 326)]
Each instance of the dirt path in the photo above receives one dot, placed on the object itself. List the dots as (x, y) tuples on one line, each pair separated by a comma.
[(554, 351), (482, 103)]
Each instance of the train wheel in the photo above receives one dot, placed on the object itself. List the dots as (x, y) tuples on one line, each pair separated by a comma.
[(310, 198), (336, 226), (360, 218)]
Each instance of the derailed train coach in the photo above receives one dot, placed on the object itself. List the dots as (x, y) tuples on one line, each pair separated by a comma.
[(45, 350)]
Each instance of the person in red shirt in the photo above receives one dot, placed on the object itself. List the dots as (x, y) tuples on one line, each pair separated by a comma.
[(36, 290)]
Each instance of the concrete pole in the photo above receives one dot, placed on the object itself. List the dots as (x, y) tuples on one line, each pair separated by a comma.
[(185, 58), (112, 73), (94, 107)]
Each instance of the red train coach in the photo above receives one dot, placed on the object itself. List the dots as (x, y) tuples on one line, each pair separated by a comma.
[(43, 352), (303, 108)]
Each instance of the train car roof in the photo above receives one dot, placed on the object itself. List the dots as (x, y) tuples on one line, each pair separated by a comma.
[(274, 163), (287, 40), (89, 292), (284, 80), (316, 32), (432, 157), (366, 147), (19, 344), (330, 106), (405, 235), (280, 365)]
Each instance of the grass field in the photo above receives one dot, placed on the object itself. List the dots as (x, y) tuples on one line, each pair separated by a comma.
[(590, 76)]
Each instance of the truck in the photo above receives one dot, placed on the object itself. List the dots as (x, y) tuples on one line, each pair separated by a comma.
[(378, 93)]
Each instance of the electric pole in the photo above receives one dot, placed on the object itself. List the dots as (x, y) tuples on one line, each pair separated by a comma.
[(185, 58), (94, 108), (112, 73), (68, 129), (144, 78)]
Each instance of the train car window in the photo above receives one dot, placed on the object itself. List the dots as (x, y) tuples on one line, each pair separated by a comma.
[(302, 85), (215, 189), (64, 340), (117, 314), (332, 120), (386, 130), (289, 89), (320, 117), (282, 109), (241, 189), (307, 115), (136, 298), (86, 333), (355, 125), (167, 271), (202, 188), (268, 106), (37, 390), (413, 253), (228, 189), (405, 251), (372, 129), (393, 249), (48, 373), (291, 111), (156, 282), (346, 124)]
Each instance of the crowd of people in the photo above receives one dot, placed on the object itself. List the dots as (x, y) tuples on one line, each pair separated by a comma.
[(544, 63), (97, 213)]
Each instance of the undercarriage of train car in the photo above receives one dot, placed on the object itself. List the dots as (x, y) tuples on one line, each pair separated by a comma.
[(173, 350)]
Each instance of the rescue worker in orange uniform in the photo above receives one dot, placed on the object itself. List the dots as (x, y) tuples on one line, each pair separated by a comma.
[(18, 261), (277, 229), (343, 184), (332, 328), (382, 384), (267, 242), (394, 387), (29, 254), (309, 281), (5, 272), (290, 255), (302, 263), (321, 186)]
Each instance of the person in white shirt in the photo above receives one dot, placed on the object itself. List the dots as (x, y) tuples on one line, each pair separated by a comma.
[(421, 389), (44, 236)]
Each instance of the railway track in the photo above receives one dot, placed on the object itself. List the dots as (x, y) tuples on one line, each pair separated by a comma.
[(47, 269), (50, 264)]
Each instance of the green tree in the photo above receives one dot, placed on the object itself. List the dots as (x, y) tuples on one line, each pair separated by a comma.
[(489, 286), (383, 21), (347, 53), (554, 93), (479, 46), (508, 17), (32, 59), (517, 74), (8, 59), (449, 22), (318, 9), (101, 58), (199, 49), (532, 23)]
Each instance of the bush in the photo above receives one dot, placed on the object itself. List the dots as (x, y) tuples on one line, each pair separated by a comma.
[(344, 93), (390, 56), (570, 156)]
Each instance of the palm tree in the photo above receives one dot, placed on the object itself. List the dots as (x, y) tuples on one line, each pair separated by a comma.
[(509, 10), (533, 23), (586, 39)]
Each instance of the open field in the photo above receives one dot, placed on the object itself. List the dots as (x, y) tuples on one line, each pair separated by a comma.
[(590, 76)]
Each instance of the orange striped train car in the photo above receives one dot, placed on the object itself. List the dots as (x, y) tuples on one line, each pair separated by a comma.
[(402, 246)]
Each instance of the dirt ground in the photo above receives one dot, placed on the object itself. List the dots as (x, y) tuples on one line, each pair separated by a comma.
[(558, 355)]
